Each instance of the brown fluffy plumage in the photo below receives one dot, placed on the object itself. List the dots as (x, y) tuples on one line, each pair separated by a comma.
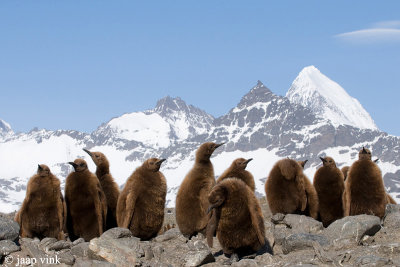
[(192, 198), (312, 197), (86, 203), (285, 188), (365, 192), (329, 184), (141, 203), (109, 186), (240, 222), (238, 170), (42, 213)]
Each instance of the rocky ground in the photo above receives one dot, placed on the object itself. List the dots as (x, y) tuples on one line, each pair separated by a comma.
[(295, 240)]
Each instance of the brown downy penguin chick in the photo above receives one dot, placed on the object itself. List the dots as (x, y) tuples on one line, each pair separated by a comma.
[(42, 212), (285, 188), (345, 171), (329, 184), (240, 223), (86, 203), (312, 197), (142, 201), (109, 186), (192, 198), (365, 192), (237, 170)]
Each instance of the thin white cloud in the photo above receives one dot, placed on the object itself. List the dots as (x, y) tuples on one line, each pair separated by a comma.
[(389, 24), (381, 32)]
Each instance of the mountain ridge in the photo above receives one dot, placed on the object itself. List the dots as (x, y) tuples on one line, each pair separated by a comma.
[(263, 126)]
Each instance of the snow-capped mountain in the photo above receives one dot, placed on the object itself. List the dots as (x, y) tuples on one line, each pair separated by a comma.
[(263, 126), (5, 129), (328, 100)]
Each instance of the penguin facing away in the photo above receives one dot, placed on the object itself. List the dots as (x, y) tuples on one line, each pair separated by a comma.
[(329, 184), (285, 189), (240, 223)]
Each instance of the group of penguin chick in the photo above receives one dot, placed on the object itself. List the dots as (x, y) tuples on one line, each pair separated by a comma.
[(226, 208)]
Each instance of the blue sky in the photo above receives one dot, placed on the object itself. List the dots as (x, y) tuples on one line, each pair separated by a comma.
[(77, 64)]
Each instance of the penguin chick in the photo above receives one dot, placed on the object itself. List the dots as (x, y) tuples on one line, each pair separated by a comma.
[(237, 170), (86, 203), (42, 213), (329, 184), (365, 192), (240, 223), (142, 201), (285, 188), (192, 198), (312, 197), (109, 186)]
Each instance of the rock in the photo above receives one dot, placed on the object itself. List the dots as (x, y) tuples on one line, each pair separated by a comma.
[(392, 217), (245, 263), (389, 249), (116, 233), (392, 208), (59, 245), (302, 241), (372, 260), (277, 218), (80, 250), (92, 263), (78, 241), (46, 242), (117, 246), (198, 258), (351, 229), (66, 257), (7, 247), (9, 229), (302, 224), (168, 235), (265, 259), (31, 246)]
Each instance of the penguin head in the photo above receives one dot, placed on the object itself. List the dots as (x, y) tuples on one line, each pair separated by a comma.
[(328, 162), (302, 163), (153, 164), (43, 170), (97, 157), (205, 151), (217, 197), (240, 163), (79, 165), (364, 153)]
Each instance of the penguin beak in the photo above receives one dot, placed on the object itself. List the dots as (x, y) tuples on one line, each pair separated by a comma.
[(323, 160), (210, 208), (247, 161), (87, 151), (40, 167), (73, 164), (218, 145), (376, 161), (160, 161), (364, 151), (305, 162)]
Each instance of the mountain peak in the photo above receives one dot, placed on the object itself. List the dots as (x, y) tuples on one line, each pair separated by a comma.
[(5, 128), (259, 93), (328, 99), (170, 103)]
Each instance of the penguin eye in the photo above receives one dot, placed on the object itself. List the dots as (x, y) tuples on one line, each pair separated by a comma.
[(97, 156), (82, 164)]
